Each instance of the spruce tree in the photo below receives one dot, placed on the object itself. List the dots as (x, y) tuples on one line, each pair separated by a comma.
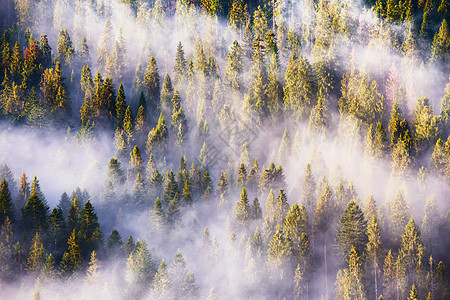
[(309, 189), (35, 212), (180, 67), (166, 94), (235, 67), (23, 193), (352, 230), (152, 87), (157, 137), (71, 259), (36, 256), (242, 213), (121, 106), (349, 283), (6, 204), (296, 222)]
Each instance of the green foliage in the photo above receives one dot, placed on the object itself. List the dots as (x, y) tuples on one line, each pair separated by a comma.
[(6, 204), (351, 232), (157, 137), (152, 86), (242, 209), (66, 51)]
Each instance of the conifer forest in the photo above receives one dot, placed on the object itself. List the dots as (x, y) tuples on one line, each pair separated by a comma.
[(225, 149)]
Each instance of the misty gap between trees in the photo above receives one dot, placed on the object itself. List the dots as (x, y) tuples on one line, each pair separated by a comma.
[(218, 149)]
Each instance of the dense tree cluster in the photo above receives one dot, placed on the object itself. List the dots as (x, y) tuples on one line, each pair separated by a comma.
[(187, 131)]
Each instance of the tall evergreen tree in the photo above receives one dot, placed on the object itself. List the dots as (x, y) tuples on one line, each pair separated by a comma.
[(352, 230), (6, 204), (180, 67), (242, 213), (152, 87)]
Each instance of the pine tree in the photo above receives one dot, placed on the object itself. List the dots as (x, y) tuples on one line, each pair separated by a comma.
[(65, 50), (323, 213), (64, 204), (57, 228), (309, 189), (140, 268), (349, 281), (180, 67), (242, 212), (430, 222), (441, 45), (203, 158), (121, 106), (166, 94), (158, 216), (46, 51), (136, 162), (5, 172), (242, 176), (90, 235), (36, 256), (173, 211), (92, 273), (34, 213), (49, 272), (413, 293), (140, 127), (235, 67), (299, 88), (6, 204), (440, 159), (157, 137), (152, 87), (296, 222), (161, 282), (252, 177), (399, 214), (284, 148), (352, 230), (281, 208), (71, 259), (411, 250), (256, 211), (374, 252), (177, 272), (73, 218), (279, 254), (84, 56), (114, 244), (425, 130)]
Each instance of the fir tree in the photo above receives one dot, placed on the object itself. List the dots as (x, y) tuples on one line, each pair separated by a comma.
[(71, 259), (296, 222), (152, 87), (92, 273), (352, 230), (6, 204), (36, 257), (161, 282), (309, 189), (180, 67), (349, 283), (242, 209), (121, 106), (166, 94), (35, 212), (157, 137), (115, 244)]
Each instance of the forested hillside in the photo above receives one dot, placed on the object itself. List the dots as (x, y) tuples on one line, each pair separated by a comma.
[(219, 149)]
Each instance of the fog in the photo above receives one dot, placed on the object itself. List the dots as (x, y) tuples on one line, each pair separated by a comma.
[(63, 163)]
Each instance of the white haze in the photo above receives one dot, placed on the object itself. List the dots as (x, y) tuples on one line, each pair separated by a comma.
[(62, 165)]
